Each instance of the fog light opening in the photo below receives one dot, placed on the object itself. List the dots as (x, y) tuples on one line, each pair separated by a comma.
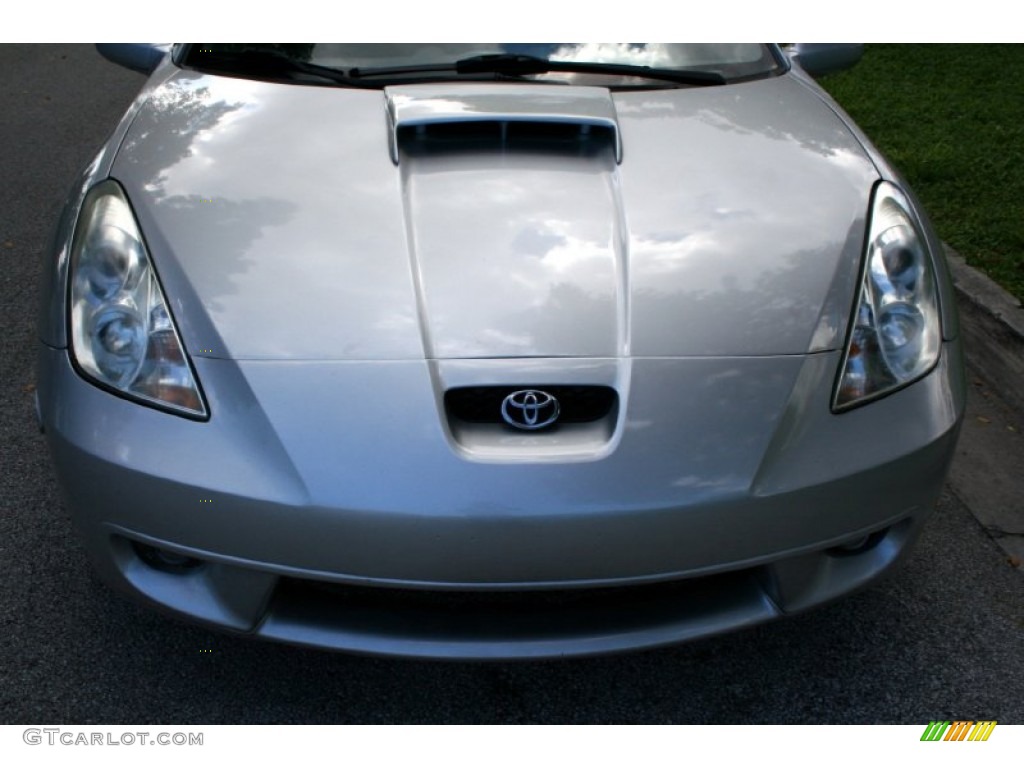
[(859, 545), (164, 560)]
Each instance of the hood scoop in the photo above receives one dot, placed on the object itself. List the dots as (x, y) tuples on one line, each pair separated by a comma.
[(505, 136), (447, 117)]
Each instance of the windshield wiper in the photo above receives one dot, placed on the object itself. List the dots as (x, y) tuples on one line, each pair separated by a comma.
[(519, 64), (263, 63)]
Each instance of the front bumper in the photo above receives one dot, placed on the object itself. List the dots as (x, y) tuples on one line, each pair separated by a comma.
[(333, 518)]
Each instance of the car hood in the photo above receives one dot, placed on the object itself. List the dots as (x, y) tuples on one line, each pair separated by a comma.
[(451, 220)]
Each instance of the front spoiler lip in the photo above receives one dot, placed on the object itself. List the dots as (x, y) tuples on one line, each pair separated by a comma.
[(600, 621)]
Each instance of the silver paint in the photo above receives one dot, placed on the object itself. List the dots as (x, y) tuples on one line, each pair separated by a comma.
[(699, 243)]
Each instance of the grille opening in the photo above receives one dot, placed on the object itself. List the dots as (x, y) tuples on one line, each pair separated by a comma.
[(504, 615), (506, 135), (577, 404), (460, 600)]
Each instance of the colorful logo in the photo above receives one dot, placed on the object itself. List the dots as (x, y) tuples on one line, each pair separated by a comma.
[(958, 730)]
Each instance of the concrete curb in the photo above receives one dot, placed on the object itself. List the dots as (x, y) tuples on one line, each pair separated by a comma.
[(992, 324), (985, 475)]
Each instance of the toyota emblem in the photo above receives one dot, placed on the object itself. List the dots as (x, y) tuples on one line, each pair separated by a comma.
[(530, 409)]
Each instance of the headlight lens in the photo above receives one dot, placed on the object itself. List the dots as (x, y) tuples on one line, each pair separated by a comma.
[(896, 333), (122, 334)]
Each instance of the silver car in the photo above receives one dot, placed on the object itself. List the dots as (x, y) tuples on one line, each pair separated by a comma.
[(493, 351)]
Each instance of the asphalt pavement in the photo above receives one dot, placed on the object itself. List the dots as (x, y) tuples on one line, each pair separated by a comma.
[(943, 638)]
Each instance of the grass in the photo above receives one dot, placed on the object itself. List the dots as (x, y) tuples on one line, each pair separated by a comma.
[(951, 118)]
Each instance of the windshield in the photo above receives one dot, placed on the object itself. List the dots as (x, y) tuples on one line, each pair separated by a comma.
[(374, 64)]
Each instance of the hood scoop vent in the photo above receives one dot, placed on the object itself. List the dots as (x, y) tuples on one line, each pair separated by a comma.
[(505, 136), (450, 117)]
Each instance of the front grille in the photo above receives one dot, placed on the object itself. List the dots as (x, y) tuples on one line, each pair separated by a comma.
[(508, 615), (482, 405)]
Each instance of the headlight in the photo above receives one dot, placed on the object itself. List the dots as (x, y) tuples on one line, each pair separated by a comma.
[(122, 334), (895, 332)]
